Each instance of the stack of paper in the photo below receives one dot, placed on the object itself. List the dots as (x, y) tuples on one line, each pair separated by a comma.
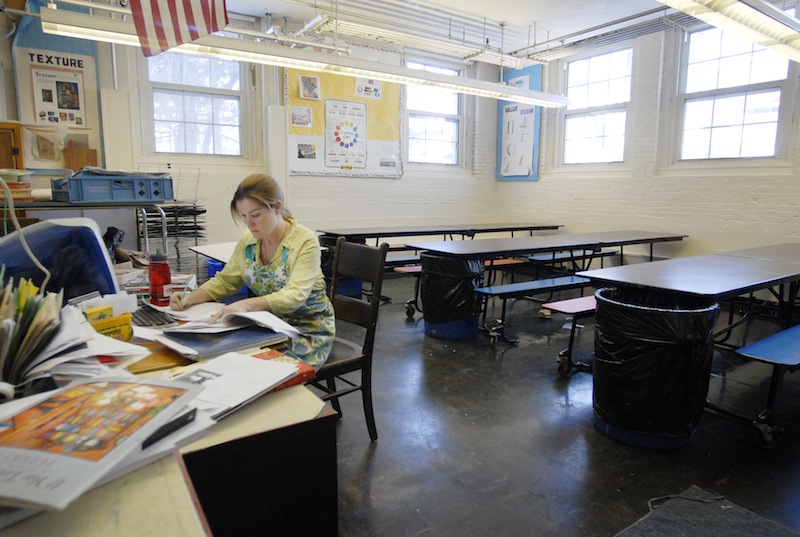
[(234, 380)]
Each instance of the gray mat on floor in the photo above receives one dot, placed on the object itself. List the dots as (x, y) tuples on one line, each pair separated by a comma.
[(702, 513)]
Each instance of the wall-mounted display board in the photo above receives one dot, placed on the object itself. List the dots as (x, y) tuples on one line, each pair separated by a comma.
[(56, 80), (518, 129), (342, 126)]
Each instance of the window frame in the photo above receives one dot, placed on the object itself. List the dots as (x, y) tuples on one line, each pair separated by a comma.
[(669, 153), (563, 113), (249, 135), (784, 134), (460, 117)]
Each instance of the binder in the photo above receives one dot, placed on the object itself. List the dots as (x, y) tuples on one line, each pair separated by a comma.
[(201, 346)]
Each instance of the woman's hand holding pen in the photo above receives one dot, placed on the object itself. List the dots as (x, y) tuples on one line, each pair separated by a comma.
[(179, 301)]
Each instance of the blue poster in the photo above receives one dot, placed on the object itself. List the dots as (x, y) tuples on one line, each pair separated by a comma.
[(518, 129)]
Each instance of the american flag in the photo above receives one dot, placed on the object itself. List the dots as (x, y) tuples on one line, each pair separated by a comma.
[(163, 24)]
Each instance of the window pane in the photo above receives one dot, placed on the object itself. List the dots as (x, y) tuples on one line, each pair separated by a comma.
[(734, 71), (698, 114), (199, 139), (165, 67), (728, 111), (169, 137), (198, 107), (597, 137), (762, 107), (227, 140), (702, 76), (429, 99), (225, 74), (759, 140), (433, 140), (704, 45), (226, 111), (168, 105), (726, 142), (696, 144), (600, 81)]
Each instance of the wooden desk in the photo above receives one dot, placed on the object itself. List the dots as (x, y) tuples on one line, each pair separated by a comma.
[(269, 474), (252, 475), (154, 500), (517, 246)]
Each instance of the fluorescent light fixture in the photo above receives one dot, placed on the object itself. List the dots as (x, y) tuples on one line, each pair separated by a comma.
[(451, 47), (111, 30), (756, 20)]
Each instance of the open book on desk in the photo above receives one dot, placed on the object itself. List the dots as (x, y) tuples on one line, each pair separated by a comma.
[(232, 321)]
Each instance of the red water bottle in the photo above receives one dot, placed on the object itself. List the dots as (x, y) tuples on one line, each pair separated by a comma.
[(160, 279)]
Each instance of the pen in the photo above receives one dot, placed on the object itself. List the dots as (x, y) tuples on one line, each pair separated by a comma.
[(188, 282)]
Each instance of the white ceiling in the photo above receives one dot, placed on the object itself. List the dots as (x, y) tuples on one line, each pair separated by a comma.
[(508, 25)]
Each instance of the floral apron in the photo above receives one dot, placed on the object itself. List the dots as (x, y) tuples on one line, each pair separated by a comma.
[(314, 320)]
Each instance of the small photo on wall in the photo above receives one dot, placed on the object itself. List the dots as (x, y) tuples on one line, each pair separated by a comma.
[(308, 151), (301, 116), (309, 87)]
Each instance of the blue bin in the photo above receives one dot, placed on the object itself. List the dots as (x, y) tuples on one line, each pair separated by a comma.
[(215, 266)]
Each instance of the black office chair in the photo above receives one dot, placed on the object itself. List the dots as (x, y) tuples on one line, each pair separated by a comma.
[(365, 263)]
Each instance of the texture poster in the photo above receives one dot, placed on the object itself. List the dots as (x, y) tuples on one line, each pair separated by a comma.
[(58, 96)]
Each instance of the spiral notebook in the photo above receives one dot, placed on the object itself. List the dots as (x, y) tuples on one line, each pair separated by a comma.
[(201, 346)]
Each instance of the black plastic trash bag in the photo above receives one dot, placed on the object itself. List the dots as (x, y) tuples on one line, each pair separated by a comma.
[(652, 361), (447, 287)]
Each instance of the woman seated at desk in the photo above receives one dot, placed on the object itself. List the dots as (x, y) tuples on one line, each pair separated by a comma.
[(279, 261)]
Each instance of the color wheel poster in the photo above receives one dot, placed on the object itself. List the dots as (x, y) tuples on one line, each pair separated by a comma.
[(346, 127), (345, 134)]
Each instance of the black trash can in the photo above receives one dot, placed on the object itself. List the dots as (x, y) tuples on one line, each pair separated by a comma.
[(652, 365), (447, 292)]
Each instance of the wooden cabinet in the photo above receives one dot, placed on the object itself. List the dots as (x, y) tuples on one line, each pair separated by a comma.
[(11, 146)]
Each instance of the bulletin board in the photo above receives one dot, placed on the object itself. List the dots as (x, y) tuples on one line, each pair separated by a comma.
[(518, 129), (342, 126)]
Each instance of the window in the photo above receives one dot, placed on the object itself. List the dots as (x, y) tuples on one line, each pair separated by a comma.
[(731, 98), (434, 120), (197, 104), (599, 89)]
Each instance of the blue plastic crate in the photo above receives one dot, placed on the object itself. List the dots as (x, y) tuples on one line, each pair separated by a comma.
[(113, 187)]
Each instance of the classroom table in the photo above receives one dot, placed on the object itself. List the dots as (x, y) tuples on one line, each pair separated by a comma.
[(495, 248), (718, 276), (446, 230)]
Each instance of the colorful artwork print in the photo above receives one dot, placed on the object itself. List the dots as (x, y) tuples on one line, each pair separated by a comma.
[(88, 421)]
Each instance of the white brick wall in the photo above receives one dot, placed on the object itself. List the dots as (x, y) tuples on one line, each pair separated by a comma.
[(718, 209)]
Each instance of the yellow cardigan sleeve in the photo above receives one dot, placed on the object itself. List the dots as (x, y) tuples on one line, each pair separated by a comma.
[(230, 279)]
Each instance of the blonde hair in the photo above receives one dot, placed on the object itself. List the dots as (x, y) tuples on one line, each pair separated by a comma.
[(262, 189)]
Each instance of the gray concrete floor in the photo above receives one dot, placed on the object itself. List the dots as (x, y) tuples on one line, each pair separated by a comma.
[(476, 440)]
